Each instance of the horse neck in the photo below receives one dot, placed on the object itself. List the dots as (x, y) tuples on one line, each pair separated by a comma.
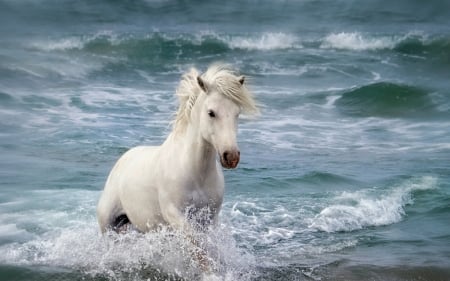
[(193, 153)]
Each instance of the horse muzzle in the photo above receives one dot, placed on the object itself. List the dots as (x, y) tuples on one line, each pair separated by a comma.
[(230, 159)]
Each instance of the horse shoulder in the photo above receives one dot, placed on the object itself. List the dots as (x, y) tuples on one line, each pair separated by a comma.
[(129, 163), (183, 192)]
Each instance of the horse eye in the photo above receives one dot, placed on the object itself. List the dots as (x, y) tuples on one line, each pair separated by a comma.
[(211, 114)]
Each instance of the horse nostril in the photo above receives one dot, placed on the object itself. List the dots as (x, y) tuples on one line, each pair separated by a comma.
[(230, 158)]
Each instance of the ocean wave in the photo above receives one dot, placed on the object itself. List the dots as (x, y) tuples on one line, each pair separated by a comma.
[(426, 46), (390, 100), (5, 98), (61, 44), (131, 46), (413, 43), (163, 45), (265, 42), (207, 42), (361, 209), (318, 177), (356, 41)]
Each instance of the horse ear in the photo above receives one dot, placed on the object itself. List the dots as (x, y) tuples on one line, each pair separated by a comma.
[(201, 83), (242, 79)]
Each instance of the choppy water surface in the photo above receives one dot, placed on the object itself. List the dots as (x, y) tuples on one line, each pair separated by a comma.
[(344, 176)]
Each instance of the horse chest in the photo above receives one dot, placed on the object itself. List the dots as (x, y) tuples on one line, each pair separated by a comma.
[(202, 206), (201, 197)]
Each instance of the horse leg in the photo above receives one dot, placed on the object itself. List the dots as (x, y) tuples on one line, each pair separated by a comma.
[(178, 220)]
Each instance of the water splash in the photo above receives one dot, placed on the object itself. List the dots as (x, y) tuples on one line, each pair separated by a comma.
[(361, 209)]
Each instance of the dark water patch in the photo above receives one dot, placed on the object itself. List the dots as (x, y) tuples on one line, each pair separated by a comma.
[(17, 273), (5, 98), (317, 177), (438, 48), (398, 273), (338, 271), (292, 181), (41, 102), (8, 101), (429, 203), (387, 100), (77, 102), (443, 205)]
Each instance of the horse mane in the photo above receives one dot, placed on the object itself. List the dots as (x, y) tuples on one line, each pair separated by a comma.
[(220, 76)]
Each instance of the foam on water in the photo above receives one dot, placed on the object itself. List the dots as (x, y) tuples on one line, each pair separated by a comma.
[(60, 44), (11, 233), (81, 248), (356, 41), (310, 120), (74, 42), (277, 231), (266, 41), (361, 209), (410, 42), (69, 238), (93, 106)]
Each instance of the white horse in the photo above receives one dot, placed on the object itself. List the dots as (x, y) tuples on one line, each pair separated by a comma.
[(167, 184)]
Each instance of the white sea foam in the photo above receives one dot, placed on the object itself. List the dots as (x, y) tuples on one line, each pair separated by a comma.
[(60, 44), (86, 107), (10, 232), (69, 238), (80, 247), (273, 68), (74, 42), (312, 126), (279, 230), (358, 42), (357, 210), (275, 234), (265, 41)]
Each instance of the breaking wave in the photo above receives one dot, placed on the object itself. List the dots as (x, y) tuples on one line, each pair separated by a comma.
[(206, 42), (361, 209), (357, 41), (410, 44)]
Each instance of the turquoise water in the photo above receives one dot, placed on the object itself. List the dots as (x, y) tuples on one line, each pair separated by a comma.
[(344, 176)]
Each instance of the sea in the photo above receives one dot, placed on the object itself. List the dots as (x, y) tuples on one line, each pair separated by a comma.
[(344, 174)]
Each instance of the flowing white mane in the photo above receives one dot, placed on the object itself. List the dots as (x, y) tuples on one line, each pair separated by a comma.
[(218, 76)]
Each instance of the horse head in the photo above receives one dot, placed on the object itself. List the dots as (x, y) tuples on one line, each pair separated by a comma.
[(219, 117), (211, 103)]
